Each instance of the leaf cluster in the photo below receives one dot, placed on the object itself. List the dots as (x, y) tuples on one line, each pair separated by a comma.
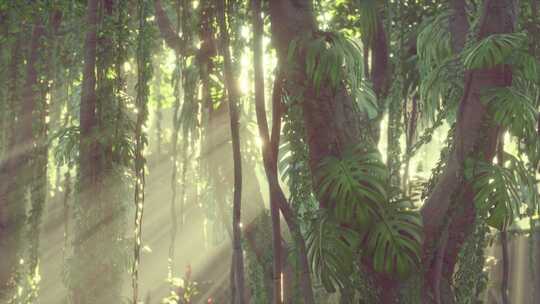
[(366, 218)]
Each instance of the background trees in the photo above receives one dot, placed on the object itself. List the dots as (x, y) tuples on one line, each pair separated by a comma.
[(374, 129)]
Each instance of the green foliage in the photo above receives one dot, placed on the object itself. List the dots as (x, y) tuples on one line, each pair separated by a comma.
[(439, 85), (67, 149), (502, 191), (492, 50), (514, 109), (330, 58), (331, 250), (255, 265), (355, 182), (368, 18), (433, 42), (395, 241), (470, 279), (294, 159), (388, 230), (440, 71)]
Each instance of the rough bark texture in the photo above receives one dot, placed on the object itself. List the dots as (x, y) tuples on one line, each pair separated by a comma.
[(380, 73), (329, 118), (330, 121), (475, 135)]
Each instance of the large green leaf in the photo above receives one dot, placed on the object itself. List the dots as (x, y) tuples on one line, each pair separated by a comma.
[(503, 191), (395, 241), (356, 184), (331, 250), (492, 50)]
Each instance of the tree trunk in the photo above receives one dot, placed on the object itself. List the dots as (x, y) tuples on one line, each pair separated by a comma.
[(269, 159), (279, 197), (380, 73), (232, 92), (11, 215), (84, 289), (329, 119), (167, 32), (471, 138), (505, 265), (18, 171), (504, 236), (535, 235), (459, 25)]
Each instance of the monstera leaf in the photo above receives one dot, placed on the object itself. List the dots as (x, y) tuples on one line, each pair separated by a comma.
[(355, 183), (388, 232), (493, 50), (395, 241), (331, 250), (502, 191)]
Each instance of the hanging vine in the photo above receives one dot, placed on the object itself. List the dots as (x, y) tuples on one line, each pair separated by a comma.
[(177, 85), (144, 74)]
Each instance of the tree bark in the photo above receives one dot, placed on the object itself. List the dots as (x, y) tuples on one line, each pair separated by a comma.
[(89, 154), (11, 215), (164, 24), (270, 165), (380, 74), (172, 39), (504, 236), (535, 235), (452, 192), (330, 121), (458, 24), (275, 188), (329, 118), (17, 170), (230, 85)]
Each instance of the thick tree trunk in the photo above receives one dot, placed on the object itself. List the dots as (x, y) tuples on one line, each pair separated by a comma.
[(89, 162), (535, 235), (88, 155), (380, 74), (452, 194), (330, 121), (232, 92), (458, 24)]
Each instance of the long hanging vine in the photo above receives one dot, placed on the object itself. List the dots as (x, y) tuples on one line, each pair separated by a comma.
[(144, 73), (177, 82)]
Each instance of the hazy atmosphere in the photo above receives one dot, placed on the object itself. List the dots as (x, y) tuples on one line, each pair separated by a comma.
[(269, 152)]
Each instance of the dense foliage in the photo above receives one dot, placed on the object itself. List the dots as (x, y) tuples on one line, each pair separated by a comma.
[(291, 151)]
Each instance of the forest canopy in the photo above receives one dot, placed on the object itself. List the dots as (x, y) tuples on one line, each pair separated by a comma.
[(269, 151)]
